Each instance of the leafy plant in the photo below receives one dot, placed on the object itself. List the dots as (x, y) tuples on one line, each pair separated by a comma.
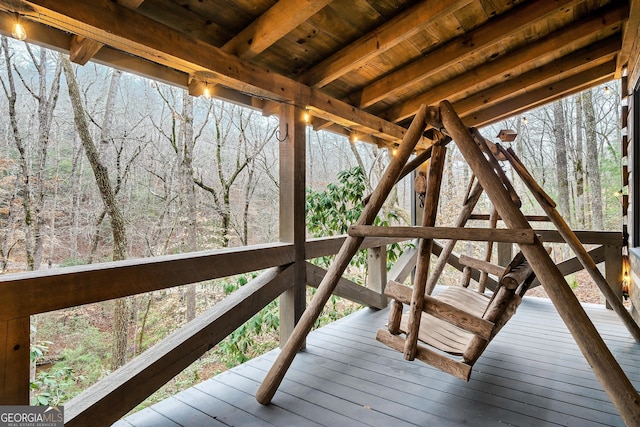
[(50, 388), (333, 210)]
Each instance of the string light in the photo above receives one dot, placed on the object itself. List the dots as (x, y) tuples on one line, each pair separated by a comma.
[(18, 32), (607, 91), (307, 116), (524, 120), (206, 92)]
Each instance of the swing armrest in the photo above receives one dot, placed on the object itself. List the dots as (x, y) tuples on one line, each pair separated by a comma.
[(482, 265)]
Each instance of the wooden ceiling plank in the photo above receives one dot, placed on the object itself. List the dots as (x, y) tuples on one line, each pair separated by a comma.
[(271, 26), (111, 24), (571, 64), (82, 49), (559, 39), (543, 95), (445, 56), (394, 31), (629, 36)]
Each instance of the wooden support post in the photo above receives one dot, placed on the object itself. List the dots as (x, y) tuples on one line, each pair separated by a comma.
[(377, 269), (470, 203), (350, 246), (622, 393), (434, 180), (505, 253), (292, 213), (613, 270), (14, 361), (574, 243)]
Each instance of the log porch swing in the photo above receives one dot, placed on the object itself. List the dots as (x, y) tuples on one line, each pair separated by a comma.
[(458, 321)]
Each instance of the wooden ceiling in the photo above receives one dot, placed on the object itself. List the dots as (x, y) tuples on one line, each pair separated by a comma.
[(362, 66)]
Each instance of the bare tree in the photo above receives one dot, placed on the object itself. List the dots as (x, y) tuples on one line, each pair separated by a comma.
[(108, 195), (562, 179), (33, 155), (230, 161), (593, 172), (579, 165)]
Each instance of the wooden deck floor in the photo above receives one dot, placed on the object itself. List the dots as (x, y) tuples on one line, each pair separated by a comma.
[(532, 374)]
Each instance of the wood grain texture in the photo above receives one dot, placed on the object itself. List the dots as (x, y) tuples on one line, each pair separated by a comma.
[(275, 376), (605, 367), (110, 399)]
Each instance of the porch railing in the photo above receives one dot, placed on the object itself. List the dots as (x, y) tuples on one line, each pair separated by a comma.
[(26, 294)]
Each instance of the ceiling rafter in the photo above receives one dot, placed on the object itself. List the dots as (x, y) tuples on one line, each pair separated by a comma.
[(541, 96), (271, 26), (609, 19), (164, 45), (489, 34), (82, 49), (395, 31), (574, 63), (629, 36)]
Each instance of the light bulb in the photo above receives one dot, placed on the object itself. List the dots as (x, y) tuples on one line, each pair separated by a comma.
[(524, 120), (607, 91), (19, 32), (206, 93)]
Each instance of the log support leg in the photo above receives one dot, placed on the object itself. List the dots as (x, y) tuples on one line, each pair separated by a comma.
[(622, 393), (350, 246)]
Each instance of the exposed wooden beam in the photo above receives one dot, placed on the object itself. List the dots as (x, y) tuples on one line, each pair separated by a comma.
[(504, 67), (630, 35), (54, 39), (447, 55), (574, 63), (82, 49), (544, 95), (394, 31), (117, 26), (271, 26)]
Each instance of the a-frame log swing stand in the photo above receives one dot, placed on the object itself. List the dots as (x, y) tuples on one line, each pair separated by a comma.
[(620, 390)]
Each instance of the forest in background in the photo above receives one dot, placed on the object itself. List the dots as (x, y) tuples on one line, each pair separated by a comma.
[(99, 165)]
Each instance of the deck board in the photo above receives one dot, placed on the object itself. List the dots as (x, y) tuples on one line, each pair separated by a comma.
[(532, 374)]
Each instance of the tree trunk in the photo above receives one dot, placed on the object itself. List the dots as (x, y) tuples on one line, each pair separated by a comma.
[(562, 177), (578, 166), (593, 164), (189, 208), (118, 229), (33, 156)]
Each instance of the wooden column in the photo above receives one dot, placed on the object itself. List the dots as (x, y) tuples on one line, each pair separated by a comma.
[(613, 270), (622, 393), (350, 246), (292, 212), (505, 253), (14, 361)]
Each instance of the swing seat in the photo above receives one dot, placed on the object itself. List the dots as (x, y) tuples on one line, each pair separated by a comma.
[(459, 322)]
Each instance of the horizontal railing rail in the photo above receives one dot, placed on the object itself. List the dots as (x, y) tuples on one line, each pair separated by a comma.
[(26, 294)]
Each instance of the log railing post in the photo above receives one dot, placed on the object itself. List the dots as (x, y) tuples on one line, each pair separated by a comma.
[(15, 364)]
